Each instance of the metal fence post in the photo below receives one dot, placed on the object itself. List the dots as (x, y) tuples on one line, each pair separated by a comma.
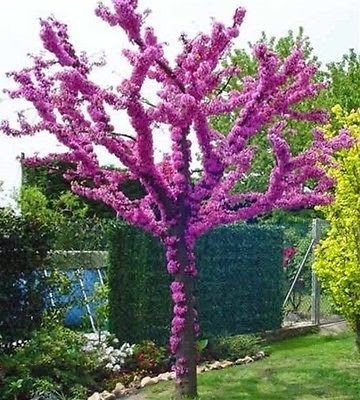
[(315, 285)]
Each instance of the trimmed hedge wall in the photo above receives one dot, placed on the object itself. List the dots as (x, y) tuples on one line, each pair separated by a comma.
[(239, 287), (139, 303)]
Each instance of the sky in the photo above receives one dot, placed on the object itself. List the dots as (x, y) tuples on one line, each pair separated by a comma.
[(332, 25)]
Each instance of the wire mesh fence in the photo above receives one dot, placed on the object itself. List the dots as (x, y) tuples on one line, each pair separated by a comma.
[(305, 301)]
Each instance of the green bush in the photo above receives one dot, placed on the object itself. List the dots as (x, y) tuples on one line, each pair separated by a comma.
[(139, 307), (233, 347), (23, 247), (239, 288), (148, 359), (51, 361), (68, 219)]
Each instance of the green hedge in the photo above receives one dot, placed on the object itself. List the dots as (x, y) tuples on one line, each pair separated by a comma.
[(23, 249), (139, 304), (239, 288)]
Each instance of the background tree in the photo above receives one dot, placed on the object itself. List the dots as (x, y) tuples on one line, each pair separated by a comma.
[(49, 180), (343, 88), (246, 61), (175, 208), (77, 223), (337, 260), (344, 78)]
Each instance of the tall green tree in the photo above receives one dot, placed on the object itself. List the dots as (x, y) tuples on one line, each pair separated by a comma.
[(341, 86), (344, 78)]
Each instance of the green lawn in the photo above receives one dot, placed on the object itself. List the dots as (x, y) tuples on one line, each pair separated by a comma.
[(304, 368)]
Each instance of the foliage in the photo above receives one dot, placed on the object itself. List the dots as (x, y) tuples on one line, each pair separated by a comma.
[(338, 255), (149, 359), (138, 286), (234, 347), (49, 180), (100, 296), (52, 360), (345, 82), (66, 219), (201, 345), (23, 248), (240, 281)]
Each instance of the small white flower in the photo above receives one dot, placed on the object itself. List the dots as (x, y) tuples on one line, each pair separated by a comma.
[(112, 359)]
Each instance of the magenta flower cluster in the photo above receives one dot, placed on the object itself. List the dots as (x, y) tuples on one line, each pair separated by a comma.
[(176, 208)]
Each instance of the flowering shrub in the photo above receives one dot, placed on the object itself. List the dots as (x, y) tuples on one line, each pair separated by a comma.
[(150, 358), (110, 355), (147, 359)]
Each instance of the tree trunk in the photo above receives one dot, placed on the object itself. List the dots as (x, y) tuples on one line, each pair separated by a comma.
[(184, 324), (357, 333), (186, 382)]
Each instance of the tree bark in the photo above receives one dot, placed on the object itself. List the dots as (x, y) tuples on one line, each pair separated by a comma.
[(186, 384), (357, 333), (186, 351)]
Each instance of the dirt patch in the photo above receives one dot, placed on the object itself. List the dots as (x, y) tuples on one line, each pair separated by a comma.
[(333, 329), (135, 397)]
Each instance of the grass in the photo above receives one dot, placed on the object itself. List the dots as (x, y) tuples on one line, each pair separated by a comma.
[(303, 368)]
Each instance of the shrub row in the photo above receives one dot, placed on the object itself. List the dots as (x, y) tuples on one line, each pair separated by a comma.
[(239, 287)]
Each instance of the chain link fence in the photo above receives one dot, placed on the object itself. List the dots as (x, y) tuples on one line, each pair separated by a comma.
[(305, 301)]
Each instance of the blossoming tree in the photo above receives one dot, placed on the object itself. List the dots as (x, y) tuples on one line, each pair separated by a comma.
[(176, 208)]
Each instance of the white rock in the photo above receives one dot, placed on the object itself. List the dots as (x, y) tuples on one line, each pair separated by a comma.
[(248, 360), (95, 396), (226, 363), (119, 389), (200, 369), (146, 381), (166, 376), (215, 365), (105, 395)]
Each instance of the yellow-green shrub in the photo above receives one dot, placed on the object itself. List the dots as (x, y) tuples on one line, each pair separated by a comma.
[(337, 260)]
